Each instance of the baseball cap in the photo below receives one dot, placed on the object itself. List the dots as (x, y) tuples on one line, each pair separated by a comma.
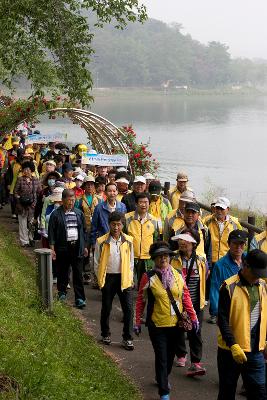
[(148, 175), (139, 178), (237, 236), (192, 206), (184, 236), (257, 262), (222, 202), (154, 187), (188, 196), (182, 177), (122, 180)]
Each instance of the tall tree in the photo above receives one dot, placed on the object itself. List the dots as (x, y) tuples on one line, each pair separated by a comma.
[(49, 41)]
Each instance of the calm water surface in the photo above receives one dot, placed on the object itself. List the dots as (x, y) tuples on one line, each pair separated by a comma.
[(221, 141)]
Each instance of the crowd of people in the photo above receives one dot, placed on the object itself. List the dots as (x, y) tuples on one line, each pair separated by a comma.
[(158, 252)]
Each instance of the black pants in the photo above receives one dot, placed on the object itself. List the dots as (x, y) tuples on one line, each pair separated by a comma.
[(195, 342), (253, 374), (164, 345), (111, 288), (63, 262), (140, 268)]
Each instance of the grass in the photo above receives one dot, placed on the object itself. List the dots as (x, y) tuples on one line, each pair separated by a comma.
[(49, 356)]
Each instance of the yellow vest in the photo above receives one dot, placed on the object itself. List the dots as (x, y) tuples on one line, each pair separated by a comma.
[(161, 315), (125, 252), (143, 234), (239, 318), (219, 242), (261, 240), (88, 210), (175, 195), (177, 264)]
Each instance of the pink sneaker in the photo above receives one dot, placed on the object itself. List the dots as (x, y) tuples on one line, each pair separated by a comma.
[(196, 369), (181, 361)]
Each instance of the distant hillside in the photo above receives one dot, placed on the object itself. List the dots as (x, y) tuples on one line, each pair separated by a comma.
[(155, 53)]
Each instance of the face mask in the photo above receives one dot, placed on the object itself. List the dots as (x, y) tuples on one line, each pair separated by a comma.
[(51, 182)]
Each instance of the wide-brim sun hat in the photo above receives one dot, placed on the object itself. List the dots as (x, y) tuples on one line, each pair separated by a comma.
[(184, 236), (162, 250)]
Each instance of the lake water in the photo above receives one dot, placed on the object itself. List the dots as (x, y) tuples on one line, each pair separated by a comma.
[(221, 141)]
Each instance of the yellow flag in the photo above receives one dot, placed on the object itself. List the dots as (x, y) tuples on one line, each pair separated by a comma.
[(8, 144)]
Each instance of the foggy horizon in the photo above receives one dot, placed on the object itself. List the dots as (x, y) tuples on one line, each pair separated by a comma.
[(239, 25)]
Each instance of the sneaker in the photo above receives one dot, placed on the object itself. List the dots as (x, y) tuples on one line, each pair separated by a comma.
[(196, 370), (14, 216), (62, 297), (106, 340), (128, 344), (181, 361), (165, 397), (212, 320), (68, 286), (80, 303), (54, 281)]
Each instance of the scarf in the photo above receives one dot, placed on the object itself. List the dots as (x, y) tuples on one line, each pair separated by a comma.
[(167, 277)]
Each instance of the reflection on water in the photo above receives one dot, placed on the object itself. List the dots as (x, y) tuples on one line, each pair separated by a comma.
[(218, 140)]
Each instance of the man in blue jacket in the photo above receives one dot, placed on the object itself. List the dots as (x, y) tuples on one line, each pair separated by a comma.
[(226, 267), (100, 224)]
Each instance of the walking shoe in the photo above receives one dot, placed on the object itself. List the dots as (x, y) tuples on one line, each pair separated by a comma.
[(181, 361), (106, 340), (14, 216), (128, 344), (68, 286), (212, 320), (54, 281), (196, 370), (86, 279), (165, 397), (62, 296), (80, 303)]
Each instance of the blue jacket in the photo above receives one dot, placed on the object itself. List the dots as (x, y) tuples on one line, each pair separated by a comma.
[(223, 269), (100, 225)]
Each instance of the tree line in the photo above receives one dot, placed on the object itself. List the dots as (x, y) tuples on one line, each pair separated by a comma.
[(154, 53)]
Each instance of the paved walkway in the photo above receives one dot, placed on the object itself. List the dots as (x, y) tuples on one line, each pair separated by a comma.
[(139, 364)]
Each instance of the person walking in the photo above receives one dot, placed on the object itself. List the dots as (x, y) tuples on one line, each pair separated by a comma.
[(145, 229), (194, 269), (242, 320), (67, 238), (26, 192), (226, 267), (114, 262), (160, 288)]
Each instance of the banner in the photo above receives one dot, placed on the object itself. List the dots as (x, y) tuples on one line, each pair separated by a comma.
[(113, 160), (43, 139)]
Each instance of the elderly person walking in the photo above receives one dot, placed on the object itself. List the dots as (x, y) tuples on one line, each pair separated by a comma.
[(25, 193), (167, 296), (67, 238)]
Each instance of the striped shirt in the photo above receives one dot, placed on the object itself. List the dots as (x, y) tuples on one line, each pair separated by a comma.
[(72, 226), (193, 284)]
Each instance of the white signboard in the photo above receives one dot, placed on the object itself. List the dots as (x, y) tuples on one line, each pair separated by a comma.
[(113, 160), (43, 139)]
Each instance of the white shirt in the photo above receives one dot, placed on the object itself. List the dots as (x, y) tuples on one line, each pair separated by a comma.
[(221, 224), (112, 209)]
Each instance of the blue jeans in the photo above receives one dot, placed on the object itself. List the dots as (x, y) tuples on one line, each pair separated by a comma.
[(253, 374)]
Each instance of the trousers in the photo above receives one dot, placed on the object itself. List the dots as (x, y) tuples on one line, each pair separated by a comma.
[(25, 235), (252, 372), (110, 289)]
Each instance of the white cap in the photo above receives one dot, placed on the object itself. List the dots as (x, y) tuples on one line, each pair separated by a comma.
[(79, 177), (184, 236), (121, 169), (222, 202), (89, 178), (139, 178), (52, 162), (122, 180), (148, 175)]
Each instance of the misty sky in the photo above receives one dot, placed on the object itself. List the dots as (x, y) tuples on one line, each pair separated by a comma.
[(241, 24)]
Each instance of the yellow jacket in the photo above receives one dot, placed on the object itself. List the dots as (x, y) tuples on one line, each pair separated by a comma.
[(174, 196), (87, 209), (260, 241), (239, 318), (143, 234), (102, 253), (177, 264), (219, 242)]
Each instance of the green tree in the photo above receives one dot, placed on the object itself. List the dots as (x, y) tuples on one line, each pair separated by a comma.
[(50, 43)]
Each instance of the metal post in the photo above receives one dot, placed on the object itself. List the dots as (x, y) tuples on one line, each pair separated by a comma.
[(45, 277), (251, 221), (166, 189)]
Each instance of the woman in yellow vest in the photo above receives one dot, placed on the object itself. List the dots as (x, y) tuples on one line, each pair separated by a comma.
[(194, 269), (160, 288), (260, 240)]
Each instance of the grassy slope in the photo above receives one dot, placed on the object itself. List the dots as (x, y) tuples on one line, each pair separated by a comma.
[(50, 356)]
